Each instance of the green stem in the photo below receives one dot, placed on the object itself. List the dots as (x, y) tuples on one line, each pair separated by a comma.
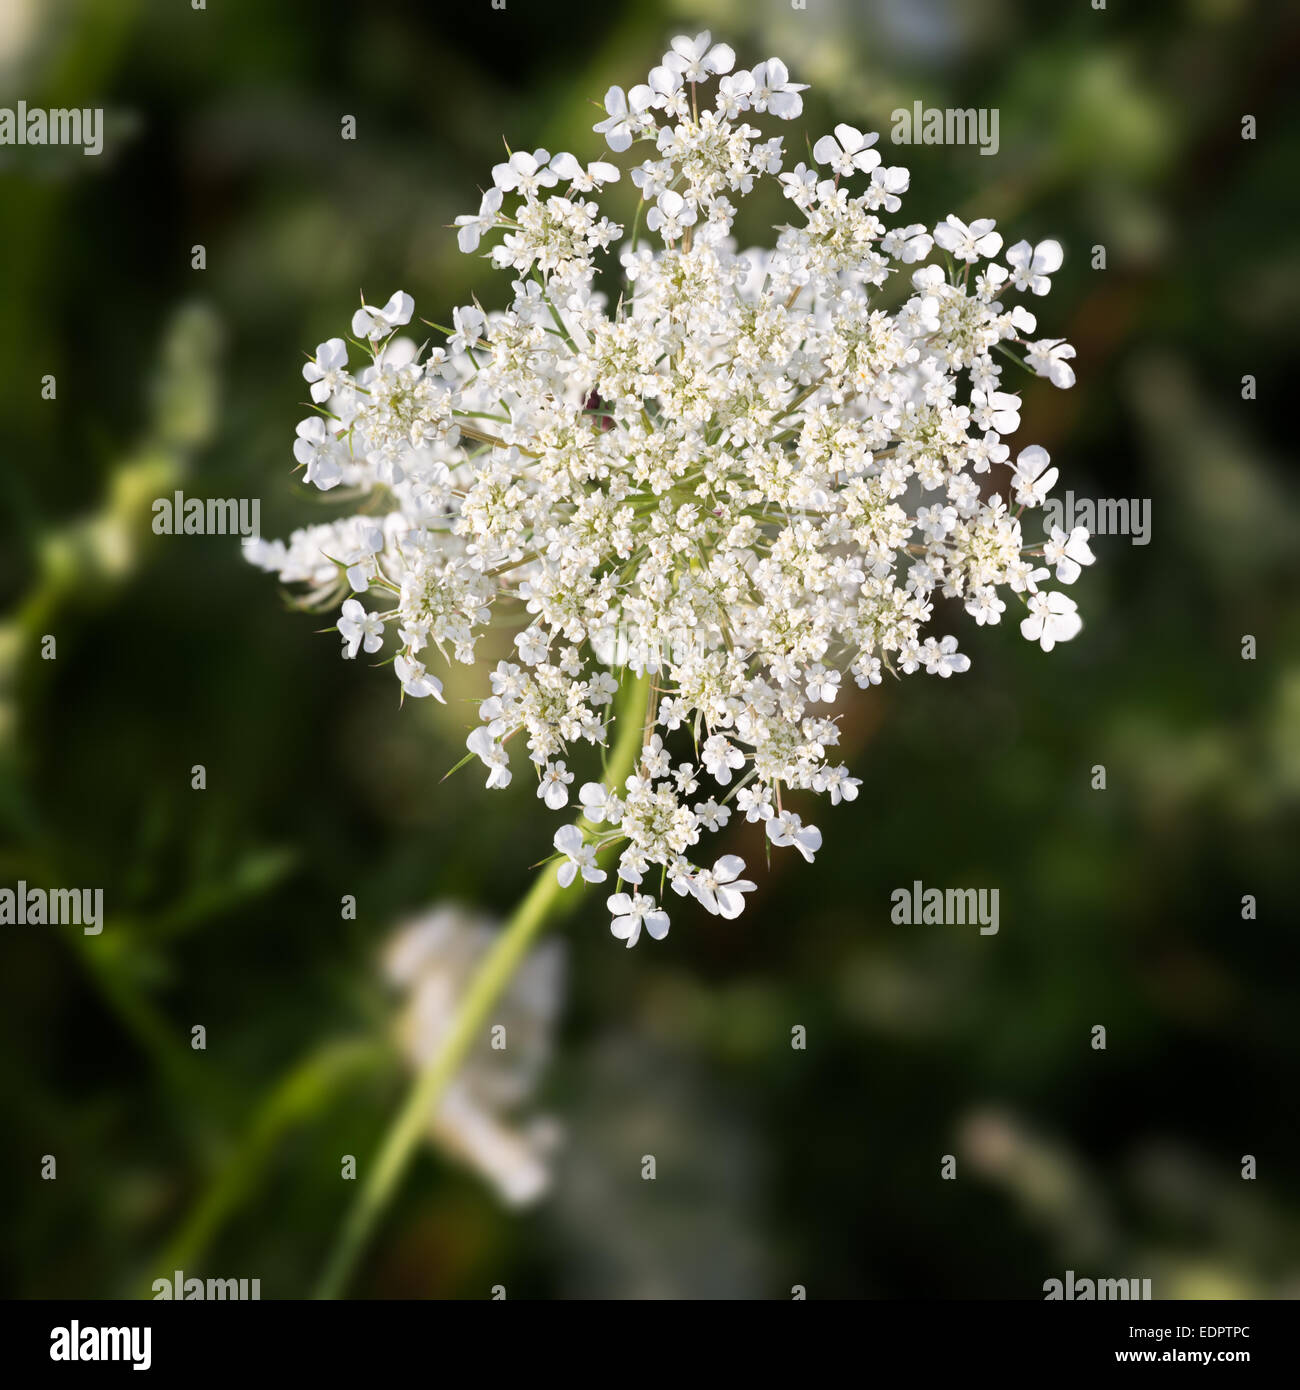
[(301, 1094), (494, 974)]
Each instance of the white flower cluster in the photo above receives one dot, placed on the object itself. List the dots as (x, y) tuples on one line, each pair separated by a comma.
[(753, 474)]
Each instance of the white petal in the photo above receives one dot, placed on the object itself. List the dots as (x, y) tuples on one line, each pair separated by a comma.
[(722, 58), (729, 867), (826, 149), (657, 923)]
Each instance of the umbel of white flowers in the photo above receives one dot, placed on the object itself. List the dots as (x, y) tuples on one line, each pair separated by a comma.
[(752, 475)]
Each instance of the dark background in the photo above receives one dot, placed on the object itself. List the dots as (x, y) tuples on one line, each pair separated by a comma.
[(1120, 907)]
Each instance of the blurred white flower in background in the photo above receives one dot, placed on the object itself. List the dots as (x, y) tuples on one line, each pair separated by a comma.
[(431, 961)]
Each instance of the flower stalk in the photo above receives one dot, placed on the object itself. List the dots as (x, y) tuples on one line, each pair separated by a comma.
[(543, 905)]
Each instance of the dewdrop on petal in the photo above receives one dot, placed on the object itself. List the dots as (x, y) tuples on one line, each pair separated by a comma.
[(747, 474)]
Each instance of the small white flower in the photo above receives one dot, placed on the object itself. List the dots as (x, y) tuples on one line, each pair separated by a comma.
[(553, 788), (631, 912), (579, 857), (472, 225), (670, 216), (525, 173), (968, 243), (698, 59), (800, 186), (867, 672), (1052, 618), (848, 151), (1033, 478), (532, 645), (840, 786), (493, 756), (416, 681), (786, 828), (888, 184), (664, 84), (985, 606), (374, 324), (721, 757), (1024, 577), (936, 522), (319, 450), (1031, 266), (686, 778), (623, 118), (589, 180), (773, 91), (942, 658), (1049, 357), (598, 802), (632, 865), (983, 452), (995, 410), (1068, 553), (823, 684), (363, 564), (655, 759), (327, 370), (671, 713), (735, 92), (713, 815), (910, 244), (755, 801), (721, 889), (468, 323), (358, 628)]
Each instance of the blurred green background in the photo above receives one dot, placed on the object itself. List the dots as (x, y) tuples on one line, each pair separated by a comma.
[(776, 1167)]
